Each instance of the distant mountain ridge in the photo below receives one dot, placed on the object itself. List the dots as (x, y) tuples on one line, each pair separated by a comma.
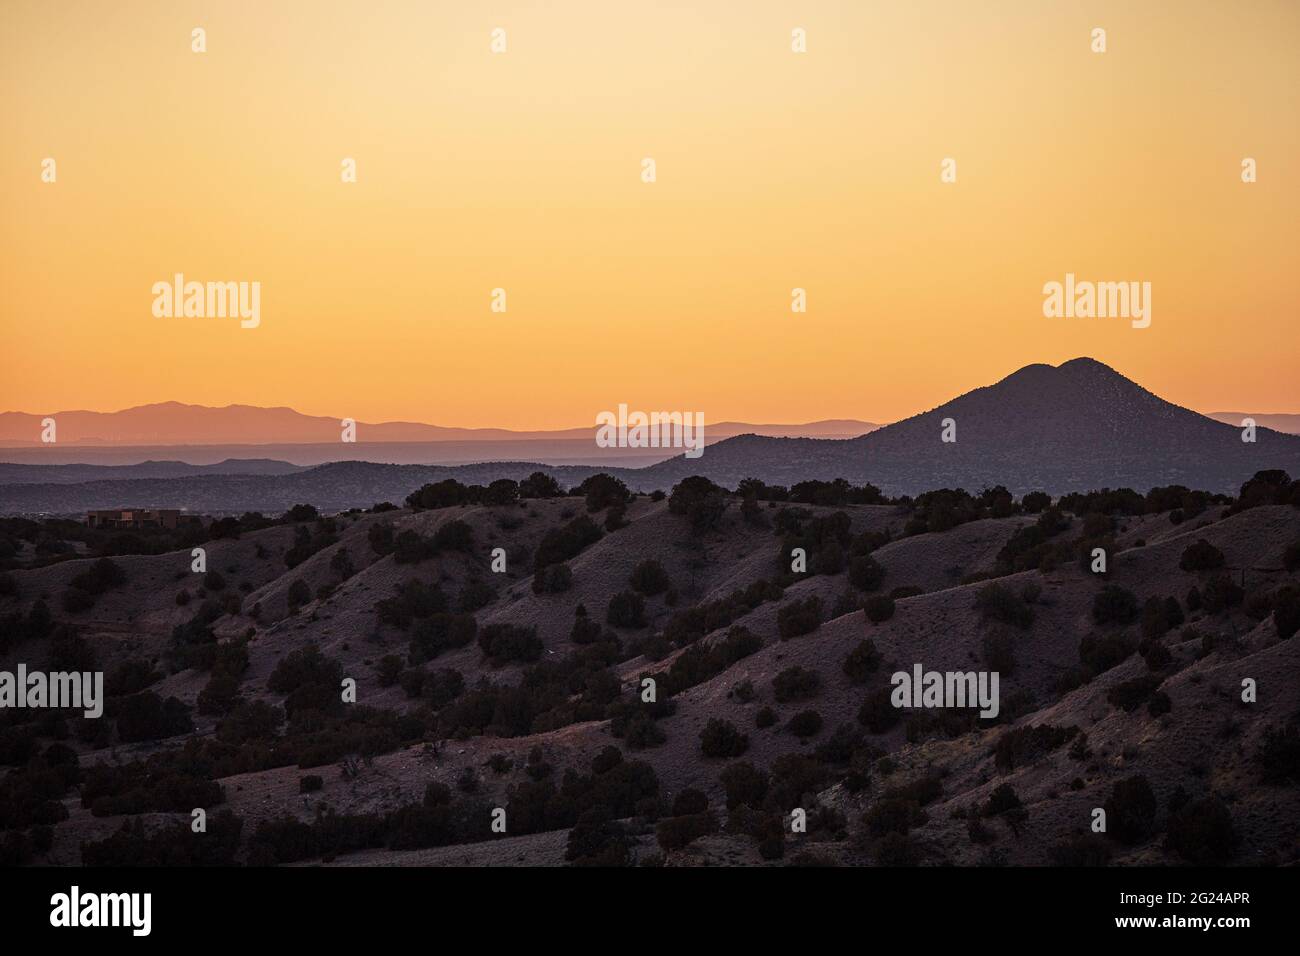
[(1073, 427), (175, 423), (1290, 424), (18, 474)]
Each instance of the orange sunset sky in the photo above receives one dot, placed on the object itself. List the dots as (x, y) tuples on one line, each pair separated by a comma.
[(522, 171)]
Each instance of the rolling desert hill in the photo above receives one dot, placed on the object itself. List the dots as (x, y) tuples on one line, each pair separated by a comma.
[(517, 728)]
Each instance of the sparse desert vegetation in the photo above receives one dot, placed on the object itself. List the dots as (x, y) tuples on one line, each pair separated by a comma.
[(659, 688)]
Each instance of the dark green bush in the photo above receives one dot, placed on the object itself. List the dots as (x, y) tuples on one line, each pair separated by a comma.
[(626, 609), (720, 738), (799, 617), (1131, 810), (1002, 799), (1201, 556), (795, 683), (1129, 695), (879, 608), (878, 713), (865, 572), (1114, 605), (1286, 612), (1278, 755), (999, 603), (503, 643), (649, 578), (1099, 653), (806, 723), (862, 662), (553, 579), (1202, 833)]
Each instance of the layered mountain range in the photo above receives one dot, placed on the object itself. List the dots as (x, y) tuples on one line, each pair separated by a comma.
[(1077, 426)]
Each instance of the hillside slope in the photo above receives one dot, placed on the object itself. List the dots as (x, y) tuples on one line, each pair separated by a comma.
[(505, 731)]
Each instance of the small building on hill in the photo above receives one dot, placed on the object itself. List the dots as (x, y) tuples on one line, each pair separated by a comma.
[(169, 518)]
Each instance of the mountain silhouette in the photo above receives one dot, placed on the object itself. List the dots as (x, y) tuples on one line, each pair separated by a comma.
[(1075, 426)]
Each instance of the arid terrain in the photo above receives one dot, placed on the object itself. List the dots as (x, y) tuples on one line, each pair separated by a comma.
[(500, 640)]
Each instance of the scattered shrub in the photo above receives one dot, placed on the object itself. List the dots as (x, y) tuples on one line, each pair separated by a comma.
[(626, 609), (862, 662), (602, 490), (1000, 651), (1201, 556), (745, 785), (566, 542), (1129, 695), (1036, 501), (675, 833), (879, 608), (1202, 833), (806, 723), (1278, 755), (1221, 593), (795, 683), (299, 594), (865, 572), (878, 713), (649, 578), (720, 738), (799, 617), (1286, 612), (690, 801), (146, 716), (439, 633), (1114, 605), (1159, 704), (1131, 810), (999, 603), (553, 579), (503, 643), (1099, 653), (1024, 745), (1002, 799)]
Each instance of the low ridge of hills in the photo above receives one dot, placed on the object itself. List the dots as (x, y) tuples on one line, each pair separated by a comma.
[(1077, 426), (24, 474)]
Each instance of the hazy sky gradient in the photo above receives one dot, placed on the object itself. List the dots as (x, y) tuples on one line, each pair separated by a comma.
[(522, 171)]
